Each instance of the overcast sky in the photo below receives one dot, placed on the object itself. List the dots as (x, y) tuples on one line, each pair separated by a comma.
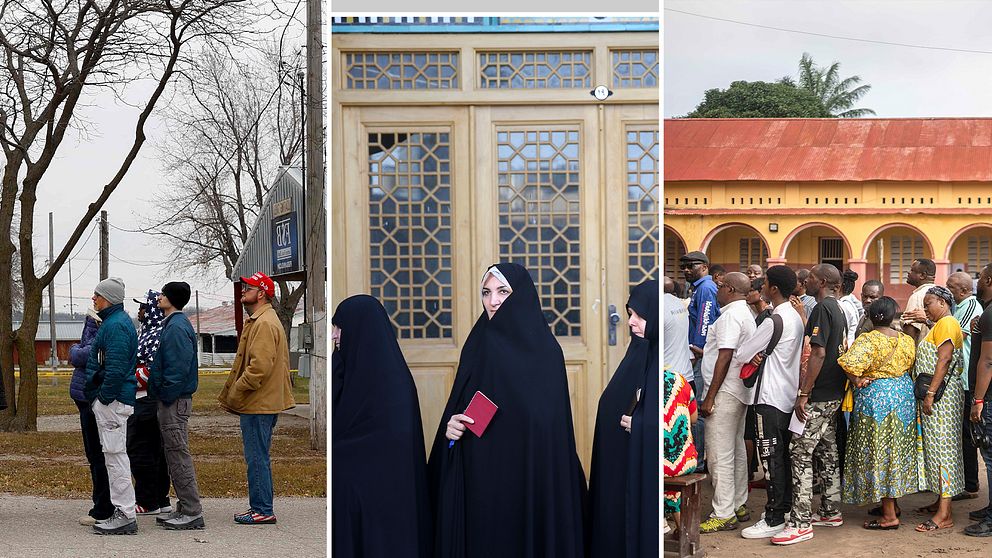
[(701, 53)]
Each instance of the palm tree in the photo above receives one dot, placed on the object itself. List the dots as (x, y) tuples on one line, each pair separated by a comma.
[(836, 94)]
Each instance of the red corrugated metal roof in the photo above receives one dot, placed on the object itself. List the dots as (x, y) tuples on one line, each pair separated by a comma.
[(829, 149)]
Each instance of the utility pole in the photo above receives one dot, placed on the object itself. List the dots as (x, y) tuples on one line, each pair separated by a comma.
[(51, 299), (316, 235), (72, 312), (199, 340), (104, 246)]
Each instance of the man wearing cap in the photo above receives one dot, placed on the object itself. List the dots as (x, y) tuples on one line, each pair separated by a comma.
[(173, 379), (703, 313), (258, 389), (110, 387)]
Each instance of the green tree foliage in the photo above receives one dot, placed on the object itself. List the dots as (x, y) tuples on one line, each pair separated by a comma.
[(837, 95), (759, 99)]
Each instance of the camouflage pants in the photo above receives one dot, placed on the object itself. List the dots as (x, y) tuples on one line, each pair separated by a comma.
[(819, 441)]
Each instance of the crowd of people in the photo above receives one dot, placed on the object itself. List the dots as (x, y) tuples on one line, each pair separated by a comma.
[(516, 488), (857, 400), (134, 393)]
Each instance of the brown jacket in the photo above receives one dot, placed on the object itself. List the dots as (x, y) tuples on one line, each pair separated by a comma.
[(259, 382)]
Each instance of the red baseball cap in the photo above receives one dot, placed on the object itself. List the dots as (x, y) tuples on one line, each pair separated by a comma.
[(262, 281)]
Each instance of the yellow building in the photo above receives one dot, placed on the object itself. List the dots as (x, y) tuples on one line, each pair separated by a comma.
[(461, 142), (866, 194)]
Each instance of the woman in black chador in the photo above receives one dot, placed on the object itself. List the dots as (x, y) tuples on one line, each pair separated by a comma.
[(380, 504), (610, 489), (518, 491)]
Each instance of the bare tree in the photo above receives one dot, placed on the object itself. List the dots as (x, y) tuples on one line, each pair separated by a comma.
[(54, 56), (234, 123)]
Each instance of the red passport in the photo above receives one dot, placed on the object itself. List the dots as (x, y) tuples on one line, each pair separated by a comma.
[(481, 409)]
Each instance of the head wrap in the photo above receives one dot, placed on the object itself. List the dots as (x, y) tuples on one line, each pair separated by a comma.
[(942, 293)]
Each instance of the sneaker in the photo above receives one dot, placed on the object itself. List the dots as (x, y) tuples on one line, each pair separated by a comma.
[(980, 529), (118, 524), (835, 520), (183, 522), (87, 520), (140, 510), (163, 517), (252, 518), (742, 514), (668, 528), (788, 515), (978, 514), (762, 530), (793, 535), (715, 524)]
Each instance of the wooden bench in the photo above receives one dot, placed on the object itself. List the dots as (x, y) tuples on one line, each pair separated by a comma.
[(687, 544)]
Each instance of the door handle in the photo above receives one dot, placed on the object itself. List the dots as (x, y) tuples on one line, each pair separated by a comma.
[(613, 320)]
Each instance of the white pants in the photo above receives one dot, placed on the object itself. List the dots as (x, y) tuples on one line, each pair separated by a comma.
[(111, 422), (726, 456)]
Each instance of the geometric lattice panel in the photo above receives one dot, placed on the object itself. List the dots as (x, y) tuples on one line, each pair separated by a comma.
[(635, 68), (535, 70), (401, 70), (410, 230), (539, 216), (642, 205)]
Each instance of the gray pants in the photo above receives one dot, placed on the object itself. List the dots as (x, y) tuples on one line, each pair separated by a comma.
[(174, 421)]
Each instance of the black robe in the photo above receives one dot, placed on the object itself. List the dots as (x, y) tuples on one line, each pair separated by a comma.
[(519, 490), (610, 446), (643, 479), (380, 503)]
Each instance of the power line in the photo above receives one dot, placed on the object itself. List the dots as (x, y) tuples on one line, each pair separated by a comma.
[(829, 36)]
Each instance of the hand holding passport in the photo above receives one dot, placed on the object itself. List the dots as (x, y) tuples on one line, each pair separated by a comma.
[(481, 410)]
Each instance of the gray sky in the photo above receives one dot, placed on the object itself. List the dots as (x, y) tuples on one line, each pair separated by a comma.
[(701, 54)]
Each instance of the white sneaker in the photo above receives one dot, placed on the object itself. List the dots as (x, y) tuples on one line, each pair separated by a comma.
[(668, 528), (761, 530), (787, 516)]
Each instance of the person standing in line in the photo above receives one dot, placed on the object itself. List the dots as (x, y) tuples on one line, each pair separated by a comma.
[(754, 272), (110, 387), (914, 320), (756, 301), (144, 438), (871, 291), (676, 325), (725, 401), (852, 307), (79, 355), (817, 403), (808, 302), (717, 272), (704, 309), (966, 309), (173, 380), (258, 389), (775, 399), (979, 377)]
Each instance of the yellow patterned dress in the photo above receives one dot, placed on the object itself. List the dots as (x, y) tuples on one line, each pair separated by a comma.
[(880, 460), (940, 462)]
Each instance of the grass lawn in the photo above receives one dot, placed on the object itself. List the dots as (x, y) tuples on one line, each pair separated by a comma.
[(53, 464)]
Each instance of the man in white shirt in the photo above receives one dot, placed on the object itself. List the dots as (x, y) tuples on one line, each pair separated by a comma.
[(676, 324), (776, 396), (724, 403), (914, 319)]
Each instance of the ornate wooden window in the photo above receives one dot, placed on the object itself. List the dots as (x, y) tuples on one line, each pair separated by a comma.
[(538, 177), (635, 68), (401, 70), (535, 69), (642, 204), (410, 229)]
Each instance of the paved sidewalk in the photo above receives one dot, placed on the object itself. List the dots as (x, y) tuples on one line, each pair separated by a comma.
[(39, 527)]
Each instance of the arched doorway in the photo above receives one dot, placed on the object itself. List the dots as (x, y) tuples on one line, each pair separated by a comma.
[(970, 249), (816, 243), (890, 251), (674, 249), (736, 246)]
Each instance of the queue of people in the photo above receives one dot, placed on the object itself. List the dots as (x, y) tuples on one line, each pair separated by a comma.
[(516, 488), (134, 393), (855, 398)]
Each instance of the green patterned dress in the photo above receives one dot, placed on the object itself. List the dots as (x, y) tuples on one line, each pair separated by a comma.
[(938, 442)]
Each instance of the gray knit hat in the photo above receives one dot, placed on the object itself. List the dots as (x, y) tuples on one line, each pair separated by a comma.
[(111, 289)]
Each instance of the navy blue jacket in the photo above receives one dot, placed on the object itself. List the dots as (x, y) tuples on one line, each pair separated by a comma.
[(173, 373), (113, 355), (78, 355)]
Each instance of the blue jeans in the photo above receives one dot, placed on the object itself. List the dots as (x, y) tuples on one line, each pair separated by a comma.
[(256, 433), (987, 454), (699, 429)]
